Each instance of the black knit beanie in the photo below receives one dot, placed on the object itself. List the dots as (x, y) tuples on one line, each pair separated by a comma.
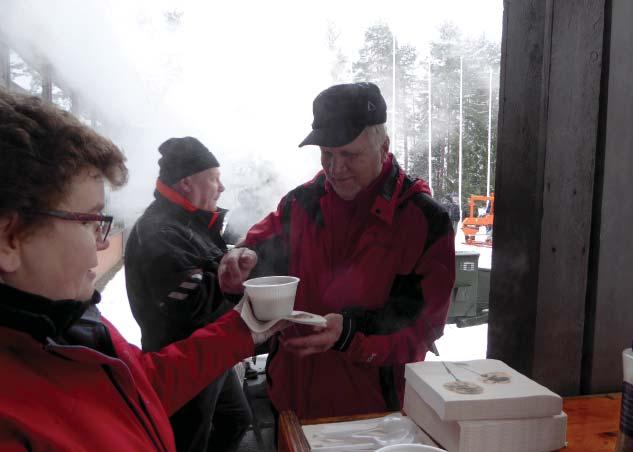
[(182, 157)]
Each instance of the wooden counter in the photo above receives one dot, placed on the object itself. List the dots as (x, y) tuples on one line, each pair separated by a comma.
[(592, 425)]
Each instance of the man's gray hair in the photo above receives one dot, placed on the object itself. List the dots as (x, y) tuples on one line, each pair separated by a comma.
[(377, 134)]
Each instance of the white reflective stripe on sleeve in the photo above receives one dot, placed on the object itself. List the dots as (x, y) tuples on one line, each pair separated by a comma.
[(196, 276), (189, 285), (177, 295)]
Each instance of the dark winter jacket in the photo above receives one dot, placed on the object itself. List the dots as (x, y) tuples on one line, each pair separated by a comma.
[(70, 381), (451, 208), (385, 261), (171, 261)]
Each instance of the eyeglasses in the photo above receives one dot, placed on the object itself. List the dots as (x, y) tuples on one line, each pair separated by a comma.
[(104, 222)]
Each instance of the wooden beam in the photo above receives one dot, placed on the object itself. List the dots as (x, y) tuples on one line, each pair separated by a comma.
[(518, 187), (573, 108), (548, 126), (611, 308)]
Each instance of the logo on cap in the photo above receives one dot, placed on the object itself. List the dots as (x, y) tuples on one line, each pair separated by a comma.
[(342, 112)]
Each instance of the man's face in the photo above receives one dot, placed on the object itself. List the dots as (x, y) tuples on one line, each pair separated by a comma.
[(203, 189), (354, 166)]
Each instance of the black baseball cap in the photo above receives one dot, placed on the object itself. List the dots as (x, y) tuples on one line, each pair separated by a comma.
[(342, 112)]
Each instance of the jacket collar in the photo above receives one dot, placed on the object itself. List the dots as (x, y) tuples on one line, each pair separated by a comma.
[(390, 189), (381, 197), (395, 189), (38, 316), (389, 184), (209, 218)]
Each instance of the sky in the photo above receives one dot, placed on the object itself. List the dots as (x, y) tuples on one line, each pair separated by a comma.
[(240, 76)]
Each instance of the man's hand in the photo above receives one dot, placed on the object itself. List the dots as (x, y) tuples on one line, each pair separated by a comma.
[(234, 269), (323, 338)]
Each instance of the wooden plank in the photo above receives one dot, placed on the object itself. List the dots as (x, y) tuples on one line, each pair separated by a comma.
[(291, 437), (518, 193), (548, 128), (613, 307), (573, 104), (593, 423)]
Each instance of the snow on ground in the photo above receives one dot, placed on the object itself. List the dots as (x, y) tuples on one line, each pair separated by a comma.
[(461, 344), (115, 307), (485, 253)]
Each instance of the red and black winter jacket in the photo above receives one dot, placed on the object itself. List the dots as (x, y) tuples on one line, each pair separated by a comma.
[(385, 261), (70, 381)]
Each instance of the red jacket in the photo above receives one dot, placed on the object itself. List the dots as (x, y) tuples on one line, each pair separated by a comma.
[(386, 261), (72, 397)]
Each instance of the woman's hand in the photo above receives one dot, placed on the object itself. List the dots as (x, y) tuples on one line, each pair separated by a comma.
[(262, 336)]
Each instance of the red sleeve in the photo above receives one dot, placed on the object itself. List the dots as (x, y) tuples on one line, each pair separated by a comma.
[(267, 229), (270, 239), (181, 370)]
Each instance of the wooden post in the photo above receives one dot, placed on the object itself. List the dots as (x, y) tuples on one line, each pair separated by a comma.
[(610, 308), (548, 128), (517, 229)]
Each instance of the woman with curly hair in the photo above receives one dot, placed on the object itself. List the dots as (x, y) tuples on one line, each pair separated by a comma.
[(68, 379)]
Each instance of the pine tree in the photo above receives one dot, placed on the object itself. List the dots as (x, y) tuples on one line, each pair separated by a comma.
[(339, 62), (376, 65), (478, 57)]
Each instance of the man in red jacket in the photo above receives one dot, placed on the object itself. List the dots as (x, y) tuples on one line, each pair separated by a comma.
[(375, 254)]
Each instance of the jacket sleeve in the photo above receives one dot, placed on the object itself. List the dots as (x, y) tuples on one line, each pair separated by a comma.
[(169, 272), (270, 240), (182, 369), (414, 315)]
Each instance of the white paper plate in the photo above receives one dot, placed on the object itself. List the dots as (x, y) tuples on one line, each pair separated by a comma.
[(306, 318), (255, 325)]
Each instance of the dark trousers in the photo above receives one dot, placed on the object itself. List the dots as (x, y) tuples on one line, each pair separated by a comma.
[(215, 420)]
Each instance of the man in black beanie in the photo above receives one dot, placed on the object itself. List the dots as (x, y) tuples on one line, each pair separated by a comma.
[(171, 261)]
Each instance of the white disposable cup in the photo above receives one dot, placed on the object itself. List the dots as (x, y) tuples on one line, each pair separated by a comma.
[(272, 297)]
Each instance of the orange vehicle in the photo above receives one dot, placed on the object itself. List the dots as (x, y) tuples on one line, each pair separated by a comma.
[(472, 223)]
